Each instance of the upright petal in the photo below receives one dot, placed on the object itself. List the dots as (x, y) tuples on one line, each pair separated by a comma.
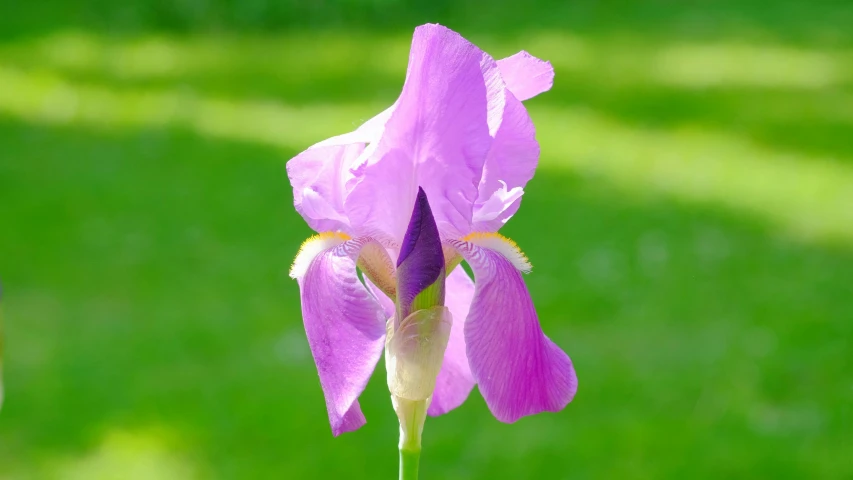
[(319, 175), (455, 380), (367, 132), (519, 370), (525, 75), (318, 185), (344, 323), (510, 164), (437, 137), (514, 154), (496, 210)]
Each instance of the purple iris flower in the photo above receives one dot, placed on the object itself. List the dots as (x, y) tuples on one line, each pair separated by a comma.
[(428, 182)]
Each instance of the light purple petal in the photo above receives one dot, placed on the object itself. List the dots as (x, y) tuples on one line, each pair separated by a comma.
[(318, 185), (320, 174), (497, 209), (514, 154), (458, 130), (345, 326), (518, 369), (382, 198), (367, 132), (525, 75), (510, 164), (437, 137), (455, 380)]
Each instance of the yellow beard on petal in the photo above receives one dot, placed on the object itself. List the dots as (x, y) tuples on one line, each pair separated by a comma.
[(312, 247), (502, 245)]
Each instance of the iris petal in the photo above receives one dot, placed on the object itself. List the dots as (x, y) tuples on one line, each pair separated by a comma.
[(510, 164), (458, 129), (525, 75), (344, 323), (437, 137), (518, 369), (320, 175), (317, 177), (455, 380), (514, 153)]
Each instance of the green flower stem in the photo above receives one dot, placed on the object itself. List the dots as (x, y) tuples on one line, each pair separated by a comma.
[(409, 460), (412, 414)]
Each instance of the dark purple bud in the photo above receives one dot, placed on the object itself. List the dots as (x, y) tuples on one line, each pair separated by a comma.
[(420, 266)]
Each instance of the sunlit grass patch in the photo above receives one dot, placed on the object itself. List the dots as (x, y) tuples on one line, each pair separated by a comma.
[(131, 454), (698, 66), (621, 61), (43, 97), (802, 195)]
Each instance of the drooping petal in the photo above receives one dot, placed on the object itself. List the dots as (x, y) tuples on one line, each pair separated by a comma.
[(525, 75), (437, 137), (320, 174), (455, 380), (345, 325), (519, 370), (420, 266)]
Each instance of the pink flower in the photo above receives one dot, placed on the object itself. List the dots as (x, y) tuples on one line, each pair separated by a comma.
[(460, 132)]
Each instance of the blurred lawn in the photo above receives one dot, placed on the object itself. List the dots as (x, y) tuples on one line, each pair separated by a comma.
[(691, 228)]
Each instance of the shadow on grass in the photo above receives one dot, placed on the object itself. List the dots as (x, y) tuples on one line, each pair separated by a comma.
[(150, 321), (821, 22)]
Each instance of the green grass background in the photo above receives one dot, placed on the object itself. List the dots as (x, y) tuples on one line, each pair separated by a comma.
[(690, 227)]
